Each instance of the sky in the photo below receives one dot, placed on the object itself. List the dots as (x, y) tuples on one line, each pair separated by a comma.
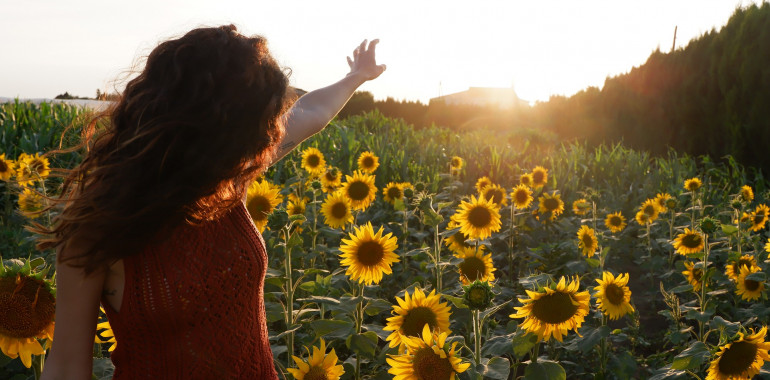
[(431, 48)]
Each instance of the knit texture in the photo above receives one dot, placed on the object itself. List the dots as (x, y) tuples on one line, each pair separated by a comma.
[(193, 305)]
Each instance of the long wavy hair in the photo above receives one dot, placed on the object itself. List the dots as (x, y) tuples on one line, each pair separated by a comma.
[(181, 145)]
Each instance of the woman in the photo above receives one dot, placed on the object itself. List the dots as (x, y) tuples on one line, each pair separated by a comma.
[(154, 225)]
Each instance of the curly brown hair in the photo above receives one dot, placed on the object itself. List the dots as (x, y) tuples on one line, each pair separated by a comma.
[(181, 145)]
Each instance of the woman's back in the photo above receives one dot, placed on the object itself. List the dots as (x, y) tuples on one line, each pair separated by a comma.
[(193, 305)]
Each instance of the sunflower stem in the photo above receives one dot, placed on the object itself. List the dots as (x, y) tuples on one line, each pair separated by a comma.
[(703, 302), (289, 298), (37, 364), (359, 322), (511, 241), (476, 337), (535, 352), (603, 348), (439, 271), (406, 236)]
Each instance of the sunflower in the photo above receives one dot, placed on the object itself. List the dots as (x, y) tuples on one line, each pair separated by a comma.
[(767, 246), (331, 180), (526, 180), (296, 207), (30, 203), (747, 194), (392, 192), (688, 242), (27, 310), (759, 217), (368, 255), (482, 182), (694, 275), (427, 358), (412, 313), (551, 203), (539, 176), (587, 241), (368, 162), (478, 218), (580, 207), (651, 208), (615, 222), (733, 268), (360, 189), (740, 359), (554, 310), (313, 161), (642, 218), (613, 296), (318, 366), (7, 168), (456, 163), (104, 334), (476, 266), (521, 197), (692, 184), (749, 290), (336, 210), (261, 200), (496, 194), (458, 243), (662, 199), (31, 168)]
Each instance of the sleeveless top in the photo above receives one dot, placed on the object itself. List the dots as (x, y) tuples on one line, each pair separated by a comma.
[(193, 305)]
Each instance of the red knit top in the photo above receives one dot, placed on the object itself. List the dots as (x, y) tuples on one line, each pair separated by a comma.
[(193, 305)]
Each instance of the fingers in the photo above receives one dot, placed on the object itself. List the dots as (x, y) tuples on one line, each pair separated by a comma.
[(350, 63), (373, 43)]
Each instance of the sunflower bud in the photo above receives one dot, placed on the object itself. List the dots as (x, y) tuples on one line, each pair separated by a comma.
[(671, 203), (737, 204), (316, 184), (709, 225), (478, 295), (408, 192), (419, 187)]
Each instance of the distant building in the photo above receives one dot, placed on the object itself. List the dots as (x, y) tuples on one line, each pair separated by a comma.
[(484, 96)]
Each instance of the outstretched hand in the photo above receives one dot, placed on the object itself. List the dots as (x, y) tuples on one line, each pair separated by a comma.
[(364, 63)]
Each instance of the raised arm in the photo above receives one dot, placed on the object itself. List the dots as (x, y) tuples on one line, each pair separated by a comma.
[(313, 111)]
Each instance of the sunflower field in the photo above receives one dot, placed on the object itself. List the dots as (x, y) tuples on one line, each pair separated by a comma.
[(431, 254)]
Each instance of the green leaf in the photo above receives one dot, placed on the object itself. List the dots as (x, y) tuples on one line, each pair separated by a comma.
[(363, 344), (431, 218), (592, 337), (499, 345), (544, 370), (729, 229), (457, 301), (594, 263), (523, 342), (332, 328), (399, 205), (700, 316), (496, 368), (758, 277), (377, 306), (692, 357)]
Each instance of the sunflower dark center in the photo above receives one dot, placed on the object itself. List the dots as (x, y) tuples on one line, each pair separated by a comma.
[(588, 240), (394, 192), (28, 307), (538, 177), (495, 195), (692, 185), (455, 162), (738, 358), (758, 219), (554, 308), (313, 160), (296, 210), (368, 162), (615, 221), (751, 285), (428, 365), (614, 294), (692, 241), (339, 210), (649, 210), (259, 207), (358, 191), (473, 268), (37, 165), (3, 167), (697, 273), (416, 319), (330, 176), (521, 196), (370, 253), (479, 217), (551, 204), (316, 373), (526, 180)]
